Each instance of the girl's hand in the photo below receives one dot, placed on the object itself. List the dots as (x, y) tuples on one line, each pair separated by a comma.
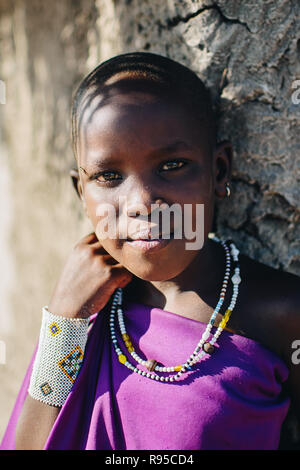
[(89, 278)]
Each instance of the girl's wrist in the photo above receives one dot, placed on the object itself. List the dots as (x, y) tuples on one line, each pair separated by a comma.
[(62, 310), (59, 357)]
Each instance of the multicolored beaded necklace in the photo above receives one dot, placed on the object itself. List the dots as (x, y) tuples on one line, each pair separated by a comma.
[(204, 346)]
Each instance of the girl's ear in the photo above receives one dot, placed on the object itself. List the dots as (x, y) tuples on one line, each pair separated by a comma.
[(222, 167), (74, 173)]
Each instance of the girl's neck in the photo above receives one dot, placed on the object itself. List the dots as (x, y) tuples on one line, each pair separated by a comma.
[(193, 293)]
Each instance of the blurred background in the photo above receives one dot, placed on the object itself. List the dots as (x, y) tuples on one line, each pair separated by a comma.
[(248, 54)]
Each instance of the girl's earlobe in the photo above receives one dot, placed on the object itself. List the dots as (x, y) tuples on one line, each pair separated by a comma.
[(222, 166), (228, 190), (74, 173), (75, 179)]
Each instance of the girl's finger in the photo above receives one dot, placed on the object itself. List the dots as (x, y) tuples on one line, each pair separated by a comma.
[(119, 270), (110, 260), (90, 238)]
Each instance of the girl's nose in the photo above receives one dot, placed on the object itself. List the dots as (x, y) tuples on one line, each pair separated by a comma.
[(136, 208), (141, 199)]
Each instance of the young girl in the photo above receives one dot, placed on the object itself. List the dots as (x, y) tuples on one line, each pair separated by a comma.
[(147, 343)]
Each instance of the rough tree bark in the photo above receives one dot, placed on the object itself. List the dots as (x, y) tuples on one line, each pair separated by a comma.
[(247, 52)]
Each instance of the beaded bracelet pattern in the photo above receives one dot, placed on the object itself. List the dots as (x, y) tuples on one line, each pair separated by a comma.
[(59, 357), (203, 347)]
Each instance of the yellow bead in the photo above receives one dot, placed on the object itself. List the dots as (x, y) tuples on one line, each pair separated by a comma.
[(222, 324), (178, 368), (128, 344), (131, 349), (122, 358), (125, 337), (228, 312)]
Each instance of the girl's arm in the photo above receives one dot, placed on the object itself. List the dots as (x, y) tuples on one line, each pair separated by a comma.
[(34, 425), (87, 282)]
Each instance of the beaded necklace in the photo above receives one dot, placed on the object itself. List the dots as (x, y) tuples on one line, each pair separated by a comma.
[(203, 347)]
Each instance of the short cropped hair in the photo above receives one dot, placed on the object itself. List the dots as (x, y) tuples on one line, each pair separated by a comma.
[(162, 74)]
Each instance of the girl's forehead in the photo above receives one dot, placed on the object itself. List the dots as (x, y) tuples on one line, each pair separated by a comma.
[(124, 122), (119, 102), (134, 147), (136, 115)]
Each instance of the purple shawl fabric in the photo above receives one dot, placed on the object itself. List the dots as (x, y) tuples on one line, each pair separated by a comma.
[(231, 400)]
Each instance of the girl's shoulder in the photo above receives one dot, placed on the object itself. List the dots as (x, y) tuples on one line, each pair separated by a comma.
[(269, 305)]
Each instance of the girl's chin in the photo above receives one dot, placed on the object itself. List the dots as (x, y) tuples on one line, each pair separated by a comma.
[(152, 263), (156, 272), (153, 277)]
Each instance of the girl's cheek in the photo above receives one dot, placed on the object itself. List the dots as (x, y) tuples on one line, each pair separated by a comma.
[(109, 224), (105, 221)]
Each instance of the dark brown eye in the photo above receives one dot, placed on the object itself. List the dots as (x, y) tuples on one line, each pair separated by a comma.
[(108, 176), (173, 165)]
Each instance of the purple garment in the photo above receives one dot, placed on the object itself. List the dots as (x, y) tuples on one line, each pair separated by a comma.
[(231, 400)]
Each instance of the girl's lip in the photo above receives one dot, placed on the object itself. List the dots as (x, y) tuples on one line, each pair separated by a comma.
[(149, 236), (149, 245)]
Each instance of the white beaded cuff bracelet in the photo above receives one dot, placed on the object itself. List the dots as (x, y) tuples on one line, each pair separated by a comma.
[(59, 357)]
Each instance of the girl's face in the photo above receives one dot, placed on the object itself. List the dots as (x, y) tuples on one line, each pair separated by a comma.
[(138, 149)]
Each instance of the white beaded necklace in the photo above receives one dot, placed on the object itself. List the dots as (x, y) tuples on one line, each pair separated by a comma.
[(203, 347)]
